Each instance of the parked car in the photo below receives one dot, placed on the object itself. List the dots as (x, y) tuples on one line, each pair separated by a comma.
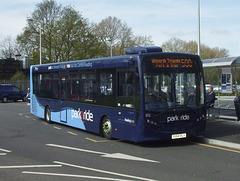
[(11, 92)]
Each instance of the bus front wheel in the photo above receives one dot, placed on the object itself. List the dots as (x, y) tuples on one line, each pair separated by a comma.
[(107, 128), (47, 115)]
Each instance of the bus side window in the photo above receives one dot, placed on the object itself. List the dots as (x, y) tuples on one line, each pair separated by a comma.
[(106, 83), (104, 87), (88, 78)]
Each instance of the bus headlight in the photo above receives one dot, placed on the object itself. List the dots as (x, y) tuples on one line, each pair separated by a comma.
[(152, 122)]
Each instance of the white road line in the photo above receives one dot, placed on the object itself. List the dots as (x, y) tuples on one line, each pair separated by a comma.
[(8, 151), (76, 149), (30, 166), (127, 157), (2, 154), (106, 155), (103, 171), (71, 175)]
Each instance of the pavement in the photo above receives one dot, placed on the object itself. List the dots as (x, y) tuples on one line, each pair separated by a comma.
[(223, 127), (222, 132)]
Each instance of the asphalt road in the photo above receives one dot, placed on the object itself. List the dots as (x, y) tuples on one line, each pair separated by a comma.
[(31, 149)]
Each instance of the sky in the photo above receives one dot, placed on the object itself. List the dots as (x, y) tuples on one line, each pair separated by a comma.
[(160, 19)]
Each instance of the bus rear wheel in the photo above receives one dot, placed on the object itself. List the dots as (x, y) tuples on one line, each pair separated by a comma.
[(48, 115), (107, 128)]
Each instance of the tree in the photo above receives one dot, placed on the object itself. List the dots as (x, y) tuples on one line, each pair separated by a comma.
[(9, 48), (142, 41), (116, 35), (65, 35), (178, 45), (74, 38), (41, 20), (19, 75), (108, 31), (173, 45)]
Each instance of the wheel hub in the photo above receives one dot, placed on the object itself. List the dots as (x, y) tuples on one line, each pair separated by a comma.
[(107, 127)]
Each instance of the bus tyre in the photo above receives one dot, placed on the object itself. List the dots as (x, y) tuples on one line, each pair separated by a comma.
[(48, 115), (107, 128)]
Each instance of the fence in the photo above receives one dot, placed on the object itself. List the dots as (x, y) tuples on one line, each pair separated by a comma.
[(224, 108), (22, 84)]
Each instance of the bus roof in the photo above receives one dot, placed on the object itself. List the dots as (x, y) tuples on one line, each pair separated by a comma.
[(107, 62)]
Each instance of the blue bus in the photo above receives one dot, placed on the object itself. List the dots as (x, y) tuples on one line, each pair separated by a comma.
[(144, 95)]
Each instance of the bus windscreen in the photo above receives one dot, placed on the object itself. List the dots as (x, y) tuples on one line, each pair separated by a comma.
[(172, 83)]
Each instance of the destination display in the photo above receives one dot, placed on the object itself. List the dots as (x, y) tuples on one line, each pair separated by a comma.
[(171, 63)]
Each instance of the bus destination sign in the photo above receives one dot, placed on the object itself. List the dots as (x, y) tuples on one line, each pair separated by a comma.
[(171, 63)]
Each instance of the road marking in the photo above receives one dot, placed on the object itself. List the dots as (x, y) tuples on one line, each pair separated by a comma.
[(2, 154), (30, 166), (102, 141), (71, 175), (44, 123), (103, 171), (96, 141), (72, 133), (57, 127), (107, 155), (27, 117), (4, 150), (76, 149), (127, 157), (219, 148), (21, 114)]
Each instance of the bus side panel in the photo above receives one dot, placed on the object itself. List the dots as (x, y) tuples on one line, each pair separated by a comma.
[(124, 125), (82, 116), (88, 117), (74, 119), (36, 108)]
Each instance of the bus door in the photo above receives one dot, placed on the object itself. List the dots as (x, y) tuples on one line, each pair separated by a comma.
[(63, 95), (126, 96)]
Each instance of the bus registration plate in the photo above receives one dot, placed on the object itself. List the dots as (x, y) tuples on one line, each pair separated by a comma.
[(178, 136)]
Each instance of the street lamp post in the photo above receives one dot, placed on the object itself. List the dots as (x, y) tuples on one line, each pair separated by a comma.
[(199, 48), (110, 47), (40, 45), (40, 41)]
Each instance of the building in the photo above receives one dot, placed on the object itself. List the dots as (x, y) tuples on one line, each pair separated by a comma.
[(8, 67)]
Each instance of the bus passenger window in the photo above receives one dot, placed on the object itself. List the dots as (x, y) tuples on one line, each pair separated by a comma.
[(87, 84), (106, 83), (104, 87)]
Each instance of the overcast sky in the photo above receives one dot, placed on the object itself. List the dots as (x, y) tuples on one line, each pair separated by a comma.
[(161, 19)]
